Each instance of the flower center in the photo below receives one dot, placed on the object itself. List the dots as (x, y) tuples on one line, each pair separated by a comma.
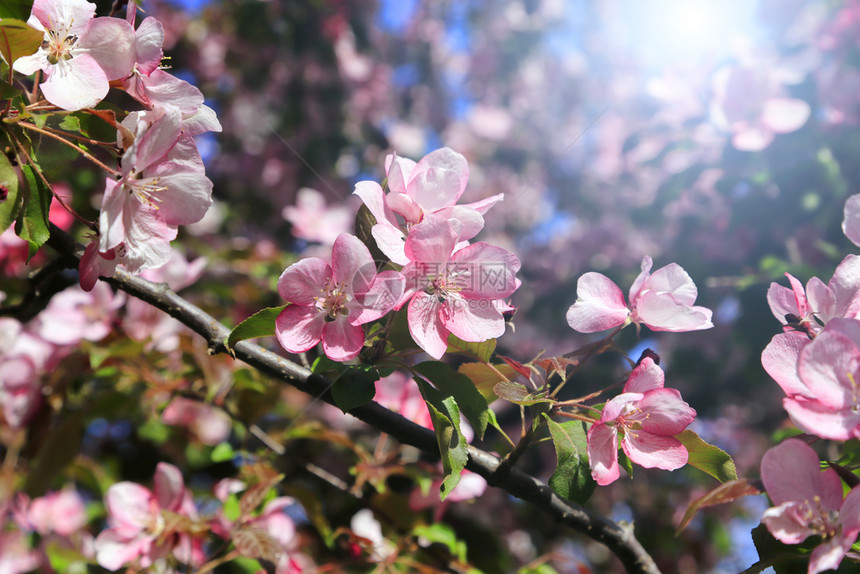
[(447, 284), (146, 190), (334, 300)]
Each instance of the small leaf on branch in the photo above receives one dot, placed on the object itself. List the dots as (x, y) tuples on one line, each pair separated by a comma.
[(556, 365), (452, 445), (454, 384), (518, 367), (256, 493), (708, 458), (519, 394), (572, 477), (254, 542), (355, 387), (11, 202), (33, 225), (725, 493), (17, 38), (479, 351), (485, 376), (71, 123), (260, 324)]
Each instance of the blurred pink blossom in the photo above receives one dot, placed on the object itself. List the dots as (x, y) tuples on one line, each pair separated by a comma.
[(208, 423), (750, 102), (313, 220)]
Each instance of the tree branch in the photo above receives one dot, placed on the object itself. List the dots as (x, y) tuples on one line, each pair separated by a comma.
[(618, 538)]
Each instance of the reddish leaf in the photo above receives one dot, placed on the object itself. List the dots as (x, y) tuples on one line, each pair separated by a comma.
[(556, 365), (254, 542), (727, 492), (518, 367)]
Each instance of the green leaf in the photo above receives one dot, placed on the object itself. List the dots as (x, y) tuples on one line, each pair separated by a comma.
[(572, 476), (708, 458), (454, 384), (485, 377), (17, 38), (33, 226), (479, 351), (443, 534), (11, 206), (71, 123), (519, 394), (452, 445), (260, 324), (222, 452), (19, 9), (355, 387)]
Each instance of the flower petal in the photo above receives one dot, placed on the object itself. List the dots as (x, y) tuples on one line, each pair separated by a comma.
[(299, 328), (303, 281), (599, 304), (603, 453)]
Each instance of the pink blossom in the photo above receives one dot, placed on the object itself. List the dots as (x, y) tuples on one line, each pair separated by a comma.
[(813, 307), (60, 512), (750, 102), (331, 302), (24, 356), (312, 220), (647, 416), (16, 556), (807, 502), (431, 186), (80, 54), (208, 423), (74, 315), (822, 396), (137, 524), (851, 222), (454, 291), (162, 186), (662, 301)]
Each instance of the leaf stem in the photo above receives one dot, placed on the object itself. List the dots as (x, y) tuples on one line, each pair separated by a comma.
[(63, 140)]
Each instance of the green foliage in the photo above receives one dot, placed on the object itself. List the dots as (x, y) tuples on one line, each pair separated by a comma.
[(354, 387), (485, 376), (19, 9), (58, 451), (708, 458), (572, 477), (222, 452), (17, 38), (452, 445), (520, 394), (33, 226), (464, 392), (9, 183), (260, 324), (478, 351), (441, 533)]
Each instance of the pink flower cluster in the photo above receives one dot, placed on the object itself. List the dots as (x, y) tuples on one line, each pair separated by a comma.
[(816, 361), (448, 285), (645, 416), (162, 182)]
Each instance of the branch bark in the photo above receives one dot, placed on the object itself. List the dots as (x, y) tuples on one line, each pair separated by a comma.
[(619, 538)]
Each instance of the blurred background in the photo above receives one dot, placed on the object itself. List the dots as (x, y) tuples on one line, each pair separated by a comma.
[(717, 134)]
